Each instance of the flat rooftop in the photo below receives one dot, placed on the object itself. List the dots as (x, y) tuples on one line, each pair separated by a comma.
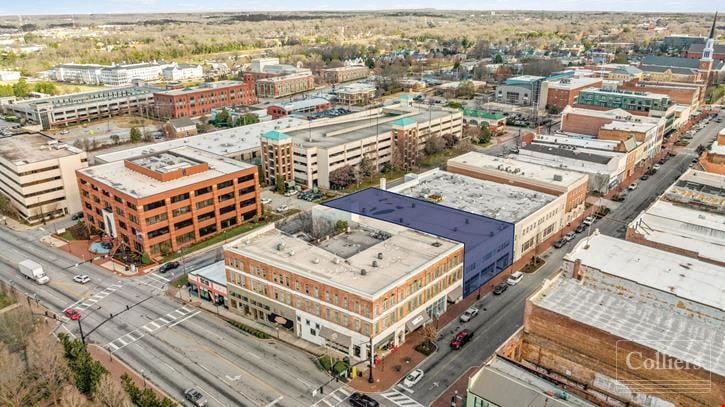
[(687, 339), (342, 130), (629, 126), (683, 226), (498, 201), (506, 384), (119, 177), (573, 82), (671, 273), (578, 140), (24, 149), (614, 114), (341, 259), (228, 142), (215, 272), (631, 93), (509, 167), (164, 162), (704, 189), (569, 153), (717, 148), (203, 86), (355, 88), (301, 104)]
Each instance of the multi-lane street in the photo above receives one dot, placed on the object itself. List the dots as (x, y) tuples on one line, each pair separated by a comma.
[(172, 345)]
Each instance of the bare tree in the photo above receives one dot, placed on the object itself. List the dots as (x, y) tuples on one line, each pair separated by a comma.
[(109, 393), (13, 389), (47, 366), (71, 397)]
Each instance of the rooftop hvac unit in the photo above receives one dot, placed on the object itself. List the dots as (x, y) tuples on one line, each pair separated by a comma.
[(380, 255), (280, 246), (291, 253), (316, 260), (363, 272), (558, 177), (375, 263)]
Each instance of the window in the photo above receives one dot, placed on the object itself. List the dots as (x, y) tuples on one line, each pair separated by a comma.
[(204, 203), (156, 219), (183, 223), (154, 205), (224, 184), (202, 191), (179, 198), (180, 211)]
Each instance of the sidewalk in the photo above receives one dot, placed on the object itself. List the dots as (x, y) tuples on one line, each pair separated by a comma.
[(116, 368), (182, 295)]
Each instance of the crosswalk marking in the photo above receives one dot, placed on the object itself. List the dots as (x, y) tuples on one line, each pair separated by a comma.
[(333, 399), (400, 399), (86, 303), (158, 323)]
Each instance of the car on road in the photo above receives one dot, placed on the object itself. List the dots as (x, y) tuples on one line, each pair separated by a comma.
[(589, 220), (281, 209), (468, 314), (570, 236), (657, 166), (500, 288), (77, 216), (266, 201), (515, 278), (560, 243), (632, 186), (72, 314), (619, 197), (290, 193), (362, 400), (644, 177), (413, 377), (195, 397), (581, 228), (461, 338), (81, 278), (169, 266)]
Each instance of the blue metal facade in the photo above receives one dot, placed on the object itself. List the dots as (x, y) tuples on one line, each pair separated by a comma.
[(488, 243)]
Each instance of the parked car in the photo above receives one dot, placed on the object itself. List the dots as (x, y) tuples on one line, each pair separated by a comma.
[(632, 186), (77, 216), (515, 278), (281, 209), (362, 400), (291, 193), (461, 338), (468, 314), (266, 201), (560, 243), (81, 279), (169, 266), (657, 166), (589, 220), (570, 236), (644, 177), (619, 197), (72, 314), (195, 397), (581, 228), (602, 212), (413, 377), (500, 288)]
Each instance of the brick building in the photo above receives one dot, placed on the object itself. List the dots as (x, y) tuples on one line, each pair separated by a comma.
[(198, 101), (276, 155), (355, 94), (560, 93), (349, 290), (280, 86), (344, 73), (310, 105), (629, 324), (713, 160), (160, 202)]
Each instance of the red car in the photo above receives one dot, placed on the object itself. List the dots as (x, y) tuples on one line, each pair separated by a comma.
[(461, 339), (72, 314)]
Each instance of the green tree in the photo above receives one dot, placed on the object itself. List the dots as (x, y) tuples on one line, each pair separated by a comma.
[(370, 63), (245, 119), (485, 135), (367, 169), (143, 397), (222, 118), (48, 88), (87, 371), (279, 185), (21, 88), (498, 59), (134, 134)]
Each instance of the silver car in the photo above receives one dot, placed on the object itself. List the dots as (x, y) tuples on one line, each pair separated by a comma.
[(469, 314)]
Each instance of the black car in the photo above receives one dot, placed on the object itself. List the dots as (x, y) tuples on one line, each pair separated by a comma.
[(169, 266), (362, 400), (499, 289), (560, 243), (644, 177), (581, 228), (77, 216)]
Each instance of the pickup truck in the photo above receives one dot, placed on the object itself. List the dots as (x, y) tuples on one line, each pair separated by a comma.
[(33, 271)]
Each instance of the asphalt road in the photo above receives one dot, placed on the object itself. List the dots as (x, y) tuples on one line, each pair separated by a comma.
[(174, 347)]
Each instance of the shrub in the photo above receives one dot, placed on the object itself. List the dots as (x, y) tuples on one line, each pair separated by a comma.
[(425, 348), (248, 329)]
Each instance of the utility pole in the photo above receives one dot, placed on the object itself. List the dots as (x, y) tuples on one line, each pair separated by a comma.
[(372, 361), (80, 328)]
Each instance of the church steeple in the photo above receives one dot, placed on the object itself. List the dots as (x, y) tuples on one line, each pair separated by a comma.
[(710, 42)]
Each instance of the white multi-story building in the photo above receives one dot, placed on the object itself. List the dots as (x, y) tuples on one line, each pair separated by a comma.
[(182, 72), (37, 175), (88, 74), (9, 75), (111, 75)]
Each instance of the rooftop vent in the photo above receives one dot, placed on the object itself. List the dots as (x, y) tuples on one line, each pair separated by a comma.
[(280, 246), (291, 253), (375, 263), (363, 272), (436, 244), (316, 260), (380, 255)]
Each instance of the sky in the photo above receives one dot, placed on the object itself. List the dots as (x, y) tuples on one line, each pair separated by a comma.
[(12, 7)]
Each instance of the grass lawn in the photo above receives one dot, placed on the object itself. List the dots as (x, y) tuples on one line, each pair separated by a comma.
[(65, 88), (375, 181), (5, 300), (437, 159)]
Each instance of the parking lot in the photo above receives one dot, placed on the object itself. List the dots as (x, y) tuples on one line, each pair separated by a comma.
[(292, 202)]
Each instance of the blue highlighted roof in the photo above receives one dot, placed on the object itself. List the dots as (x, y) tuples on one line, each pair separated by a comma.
[(405, 121), (488, 243)]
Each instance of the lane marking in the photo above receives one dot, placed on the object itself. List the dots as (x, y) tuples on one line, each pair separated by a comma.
[(184, 319), (277, 400)]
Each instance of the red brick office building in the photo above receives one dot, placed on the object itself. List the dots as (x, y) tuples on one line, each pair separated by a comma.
[(161, 202), (198, 101)]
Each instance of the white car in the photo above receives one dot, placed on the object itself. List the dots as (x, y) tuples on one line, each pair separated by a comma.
[(589, 220), (632, 186), (468, 314), (281, 209), (657, 166), (413, 377), (266, 201), (291, 193), (81, 279), (515, 278), (570, 236)]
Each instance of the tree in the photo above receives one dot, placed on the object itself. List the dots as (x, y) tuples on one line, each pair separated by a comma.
[(366, 167), (343, 176), (466, 89), (48, 88), (485, 134), (450, 140), (245, 119), (87, 371), (340, 226), (14, 391), (21, 88), (134, 134), (71, 397), (222, 118), (110, 393), (434, 144), (143, 397), (279, 185), (429, 332), (498, 59)]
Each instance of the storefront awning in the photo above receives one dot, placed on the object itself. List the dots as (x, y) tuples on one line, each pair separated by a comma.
[(456, 294), (337, 337), (417, 321)]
